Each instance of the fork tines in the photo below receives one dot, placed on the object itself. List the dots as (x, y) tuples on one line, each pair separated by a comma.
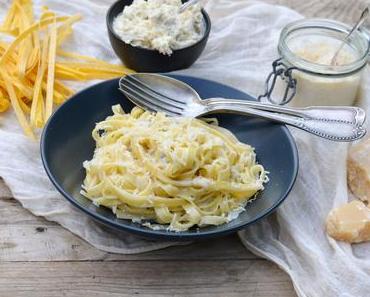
[(146, 97)]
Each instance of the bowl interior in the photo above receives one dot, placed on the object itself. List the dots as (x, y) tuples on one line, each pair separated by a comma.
[(118, 6), (67, 142), (114, 11)]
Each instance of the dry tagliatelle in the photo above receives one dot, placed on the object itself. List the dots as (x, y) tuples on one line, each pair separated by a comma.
[(172, 173), (33, 65)]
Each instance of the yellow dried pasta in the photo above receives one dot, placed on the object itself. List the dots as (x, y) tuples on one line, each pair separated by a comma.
[(31, 74)]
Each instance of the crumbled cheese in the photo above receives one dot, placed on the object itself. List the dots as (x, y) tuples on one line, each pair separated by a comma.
[(235, 213), (158, 25), (156, 227), (349, 222), (358, 166)]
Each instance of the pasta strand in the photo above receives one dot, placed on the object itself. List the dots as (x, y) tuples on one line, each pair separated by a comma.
[(174, 173)]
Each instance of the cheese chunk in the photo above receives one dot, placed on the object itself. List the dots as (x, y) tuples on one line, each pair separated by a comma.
[(358, 166), (349, 222)]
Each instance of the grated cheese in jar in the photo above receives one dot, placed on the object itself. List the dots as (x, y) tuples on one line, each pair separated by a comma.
[(306, 48), (318, 90)]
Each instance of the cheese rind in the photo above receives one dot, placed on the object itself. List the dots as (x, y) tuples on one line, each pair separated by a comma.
[(349, 222), (358, 166)]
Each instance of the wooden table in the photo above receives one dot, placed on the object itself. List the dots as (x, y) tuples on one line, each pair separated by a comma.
[(40, 258)]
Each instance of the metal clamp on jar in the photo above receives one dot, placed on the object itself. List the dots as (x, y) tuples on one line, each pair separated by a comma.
[(305, 70)]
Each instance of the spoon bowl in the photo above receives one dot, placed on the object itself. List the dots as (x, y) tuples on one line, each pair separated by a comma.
[(158, 93)]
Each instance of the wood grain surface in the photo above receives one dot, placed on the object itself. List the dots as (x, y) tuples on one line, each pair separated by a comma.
[(347, 11), (40, 258)]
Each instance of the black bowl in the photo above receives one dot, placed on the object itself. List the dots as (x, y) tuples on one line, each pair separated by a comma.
[(147, 60), (66, 142)]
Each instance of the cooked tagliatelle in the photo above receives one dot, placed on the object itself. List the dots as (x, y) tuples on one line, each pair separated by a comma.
[(175, 172)]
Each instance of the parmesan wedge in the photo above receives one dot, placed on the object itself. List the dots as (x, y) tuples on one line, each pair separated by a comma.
[(349, 222), (358, 167)]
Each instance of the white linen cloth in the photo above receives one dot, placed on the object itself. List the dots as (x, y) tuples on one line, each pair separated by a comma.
[(240, 50)]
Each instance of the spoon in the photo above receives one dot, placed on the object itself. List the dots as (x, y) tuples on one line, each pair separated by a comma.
[(161, 93), (187, 4), (359, 23)]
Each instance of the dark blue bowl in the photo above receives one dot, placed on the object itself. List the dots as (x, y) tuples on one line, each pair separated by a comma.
[(147, 60), (66, 142)]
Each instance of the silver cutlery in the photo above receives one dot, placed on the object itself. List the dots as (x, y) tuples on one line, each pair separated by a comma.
[(160, 93), (357, 26), (187, 4)]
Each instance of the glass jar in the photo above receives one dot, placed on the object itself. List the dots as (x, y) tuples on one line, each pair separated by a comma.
[(304, 76)]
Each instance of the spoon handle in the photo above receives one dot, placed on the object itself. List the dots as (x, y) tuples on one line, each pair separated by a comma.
[(359, 23), (342, 131), (188, 4), (350, 114)]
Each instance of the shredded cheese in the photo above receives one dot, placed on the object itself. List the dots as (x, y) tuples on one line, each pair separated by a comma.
[(177, 172)]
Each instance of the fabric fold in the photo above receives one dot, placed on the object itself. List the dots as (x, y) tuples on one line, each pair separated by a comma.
[(240, 50)]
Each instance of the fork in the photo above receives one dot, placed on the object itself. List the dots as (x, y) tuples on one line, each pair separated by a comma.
[(333, 123)]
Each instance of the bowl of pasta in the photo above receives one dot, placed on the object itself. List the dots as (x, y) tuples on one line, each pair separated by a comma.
[(165, 177)]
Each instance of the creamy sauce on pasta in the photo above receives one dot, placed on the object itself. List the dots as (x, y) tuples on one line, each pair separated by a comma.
[(170, 173)]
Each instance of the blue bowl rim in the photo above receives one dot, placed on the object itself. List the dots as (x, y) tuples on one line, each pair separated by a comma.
[(110, 18), (142, 230)]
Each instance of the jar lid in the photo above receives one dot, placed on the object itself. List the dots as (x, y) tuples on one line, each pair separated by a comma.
[(332, 33)]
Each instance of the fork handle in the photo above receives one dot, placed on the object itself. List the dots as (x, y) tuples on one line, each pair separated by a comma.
[(349, 114), (342, 131)]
